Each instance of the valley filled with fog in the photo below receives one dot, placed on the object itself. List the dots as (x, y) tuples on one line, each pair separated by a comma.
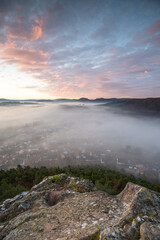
[(59, 134)]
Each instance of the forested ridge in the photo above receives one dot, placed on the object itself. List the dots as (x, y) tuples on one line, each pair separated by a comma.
[(15, 181)]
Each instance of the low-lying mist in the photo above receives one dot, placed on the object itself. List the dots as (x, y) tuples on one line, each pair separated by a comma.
[(75, 133)]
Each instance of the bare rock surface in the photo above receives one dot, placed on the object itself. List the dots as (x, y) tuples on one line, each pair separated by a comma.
[(63, 207)]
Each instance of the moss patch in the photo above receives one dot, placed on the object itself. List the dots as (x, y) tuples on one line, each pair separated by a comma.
[(95, 236)]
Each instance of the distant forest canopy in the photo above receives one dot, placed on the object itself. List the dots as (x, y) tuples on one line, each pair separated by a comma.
[(15, 181)]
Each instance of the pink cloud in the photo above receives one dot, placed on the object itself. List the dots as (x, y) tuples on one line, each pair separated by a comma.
[(74, 87), (27, 60), (138, 69), (24, 33), (153, 28), (157, 59), (150, 35)]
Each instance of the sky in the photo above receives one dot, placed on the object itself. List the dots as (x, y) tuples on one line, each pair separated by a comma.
[(79, 48)]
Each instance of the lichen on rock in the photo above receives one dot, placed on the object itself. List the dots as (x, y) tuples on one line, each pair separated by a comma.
[(63, 207)]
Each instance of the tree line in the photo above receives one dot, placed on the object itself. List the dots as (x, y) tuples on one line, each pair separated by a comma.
[(17, 180)]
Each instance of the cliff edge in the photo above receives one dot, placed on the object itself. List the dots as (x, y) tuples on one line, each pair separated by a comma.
[(63, 207)]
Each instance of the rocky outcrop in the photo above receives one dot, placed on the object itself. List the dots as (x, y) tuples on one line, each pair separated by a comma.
[(63, 207)]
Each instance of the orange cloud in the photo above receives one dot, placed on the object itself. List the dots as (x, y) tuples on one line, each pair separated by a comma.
[(36, 32), (8, 44), (20, 32), (23, 57), (37, 28), (57, 76)]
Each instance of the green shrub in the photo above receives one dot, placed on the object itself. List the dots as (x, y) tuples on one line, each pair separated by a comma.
[(14, 181)]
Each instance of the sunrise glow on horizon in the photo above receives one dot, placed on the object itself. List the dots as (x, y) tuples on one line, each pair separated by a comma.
[(73, 49)]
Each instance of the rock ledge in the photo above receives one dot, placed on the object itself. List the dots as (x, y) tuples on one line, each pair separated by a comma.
[(63, 207)]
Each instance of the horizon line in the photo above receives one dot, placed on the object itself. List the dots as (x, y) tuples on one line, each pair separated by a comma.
[(52, 99)]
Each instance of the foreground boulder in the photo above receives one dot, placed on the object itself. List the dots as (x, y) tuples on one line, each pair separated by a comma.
[(63, 207)]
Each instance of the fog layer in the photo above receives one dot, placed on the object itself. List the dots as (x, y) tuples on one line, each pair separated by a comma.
[(77, 134)]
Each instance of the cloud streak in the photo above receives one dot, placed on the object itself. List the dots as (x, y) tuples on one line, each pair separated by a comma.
[(83, 48)]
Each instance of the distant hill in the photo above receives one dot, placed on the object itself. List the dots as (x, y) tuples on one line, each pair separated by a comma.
[(59, 100), (146, 106), (149, 106)]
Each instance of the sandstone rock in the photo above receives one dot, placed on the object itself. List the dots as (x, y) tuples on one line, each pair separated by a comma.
[(150, 231), (83, 185), (24, 206), (63, 207), (140, 207)]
